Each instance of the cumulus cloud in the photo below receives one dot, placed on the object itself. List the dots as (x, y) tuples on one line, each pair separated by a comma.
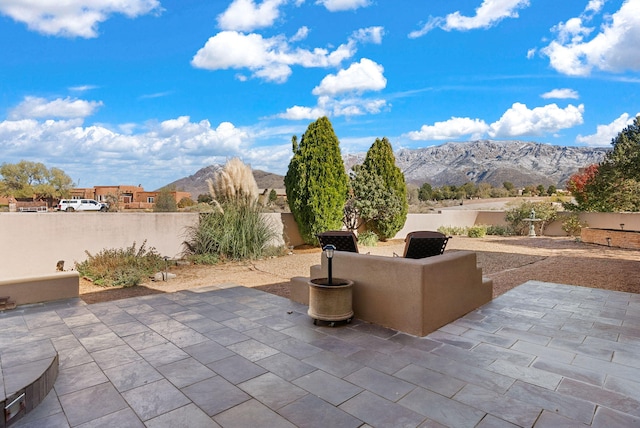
[(365, 75), (452, 129), (487, 15), (520, 120), (340, 5), (605, 133), (154, 153), (35, 107), (612, 49), (73, 18), (271, 58), (246, 15), (335, 107), (561, 94), (517, 121), (370, 34)]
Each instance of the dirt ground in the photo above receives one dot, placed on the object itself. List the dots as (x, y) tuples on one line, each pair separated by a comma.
[(509, 261)]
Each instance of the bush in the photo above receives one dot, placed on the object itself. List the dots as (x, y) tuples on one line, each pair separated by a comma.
[(121, 267), (572, 225), (453, 230), (499, 230), (479, 231), (368, 238), (237, 231)]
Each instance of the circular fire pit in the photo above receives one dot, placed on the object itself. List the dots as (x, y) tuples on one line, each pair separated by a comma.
[(330, 302)]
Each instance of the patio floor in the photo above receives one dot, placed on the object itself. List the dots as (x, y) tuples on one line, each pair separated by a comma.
[(543, 355)]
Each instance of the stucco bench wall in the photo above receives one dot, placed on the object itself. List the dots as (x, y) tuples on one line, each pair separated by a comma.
[(413, 296), (41, 288)]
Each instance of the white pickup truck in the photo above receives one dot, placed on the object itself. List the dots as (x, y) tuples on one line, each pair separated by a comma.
[(70, 205)]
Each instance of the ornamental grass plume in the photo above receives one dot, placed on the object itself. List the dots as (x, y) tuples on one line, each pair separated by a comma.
[(234, 182)]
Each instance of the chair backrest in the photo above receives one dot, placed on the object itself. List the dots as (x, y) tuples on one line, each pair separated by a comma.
[(343, 240), (421, 244)]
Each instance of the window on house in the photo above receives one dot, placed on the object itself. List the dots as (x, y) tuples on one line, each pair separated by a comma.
[(150, 199)]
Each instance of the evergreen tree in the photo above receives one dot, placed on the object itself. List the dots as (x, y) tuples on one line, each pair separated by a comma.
[(426, 192), (381, 161), (316, 182)]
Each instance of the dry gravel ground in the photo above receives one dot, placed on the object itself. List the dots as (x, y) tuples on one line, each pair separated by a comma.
[(509, 261)]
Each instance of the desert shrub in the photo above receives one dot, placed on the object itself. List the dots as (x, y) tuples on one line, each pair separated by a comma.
[(124, 267), (499, 230), (479, 231), (368, 238), (572, 225), (186, 202), (453, 230), (236, 231)]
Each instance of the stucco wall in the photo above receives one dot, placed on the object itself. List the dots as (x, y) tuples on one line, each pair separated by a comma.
[(32, 243)]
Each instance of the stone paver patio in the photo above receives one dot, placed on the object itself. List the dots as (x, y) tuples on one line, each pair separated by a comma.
[(543, 355)]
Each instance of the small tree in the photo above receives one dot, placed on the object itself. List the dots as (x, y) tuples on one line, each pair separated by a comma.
[(381, 161), (273, 196), (426, 192), (316, 181), (165, 201)]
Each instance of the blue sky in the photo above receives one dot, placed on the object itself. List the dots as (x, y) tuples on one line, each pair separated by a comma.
[(149, 91)]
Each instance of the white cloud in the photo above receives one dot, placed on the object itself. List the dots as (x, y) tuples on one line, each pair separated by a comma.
[(301, 113), (246, 15), (156, 151), (365, 75), (340, 5), (35, 107), (82, 88), (561, 94), (517, 121), (489, 13), (73, 18), (270, 59), (370, 34), (452, 129), (521, 121), (328, 106), (605, 133), (301, 34), (613, 49)]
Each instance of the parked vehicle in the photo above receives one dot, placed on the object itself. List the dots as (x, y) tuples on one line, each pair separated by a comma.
[(70, 205)]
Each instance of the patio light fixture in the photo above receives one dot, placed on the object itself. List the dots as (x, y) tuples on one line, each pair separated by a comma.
[(329, 250)]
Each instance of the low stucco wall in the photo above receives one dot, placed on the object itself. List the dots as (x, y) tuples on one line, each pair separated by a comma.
[(409, 295), (32, 243), (41, 288)]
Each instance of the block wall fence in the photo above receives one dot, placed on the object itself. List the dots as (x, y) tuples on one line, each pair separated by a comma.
[(32, 243)]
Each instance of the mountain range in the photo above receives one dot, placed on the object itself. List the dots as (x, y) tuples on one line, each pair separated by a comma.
[(520, 162)]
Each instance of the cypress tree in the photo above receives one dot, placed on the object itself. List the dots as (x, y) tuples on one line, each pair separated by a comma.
[(380, 160), (316, 181)]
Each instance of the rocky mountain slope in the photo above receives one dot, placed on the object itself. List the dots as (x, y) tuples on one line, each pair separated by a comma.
[(519, 162), (197, 183)]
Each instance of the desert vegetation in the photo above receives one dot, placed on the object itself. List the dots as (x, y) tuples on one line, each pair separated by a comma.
[(235, 228), (121, 267)]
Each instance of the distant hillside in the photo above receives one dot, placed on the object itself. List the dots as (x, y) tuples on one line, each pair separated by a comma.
[(196, 184), (519, 162)]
